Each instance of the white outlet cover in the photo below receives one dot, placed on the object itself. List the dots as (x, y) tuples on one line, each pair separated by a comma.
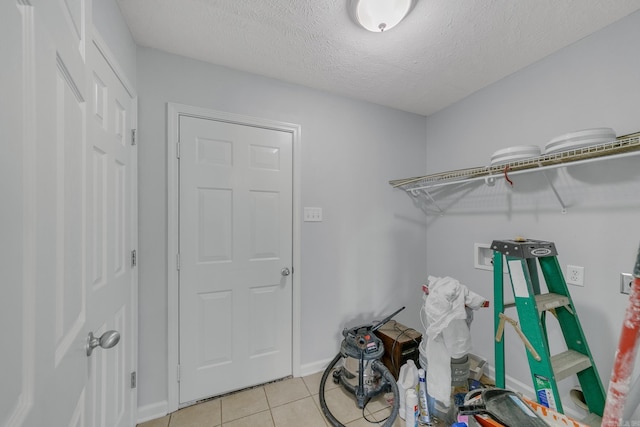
[(575, 275)]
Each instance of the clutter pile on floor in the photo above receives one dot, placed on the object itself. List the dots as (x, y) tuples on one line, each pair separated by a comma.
[(481, 404), (389, 357)]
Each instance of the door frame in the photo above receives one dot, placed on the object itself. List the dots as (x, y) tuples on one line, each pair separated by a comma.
[(174, 112)]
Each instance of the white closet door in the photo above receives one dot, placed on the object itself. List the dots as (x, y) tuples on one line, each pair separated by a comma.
[(235, 251), (111, 228), (67, 244)]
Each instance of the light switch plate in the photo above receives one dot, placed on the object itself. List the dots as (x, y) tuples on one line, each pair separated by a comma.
[(312, 214)]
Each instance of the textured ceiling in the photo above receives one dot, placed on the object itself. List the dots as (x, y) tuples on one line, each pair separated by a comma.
[(443, 51)]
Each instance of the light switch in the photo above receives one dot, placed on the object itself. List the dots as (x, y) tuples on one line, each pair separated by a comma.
[(312, 214)]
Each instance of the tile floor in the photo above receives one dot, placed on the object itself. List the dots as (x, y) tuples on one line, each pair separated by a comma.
[(288, 403)]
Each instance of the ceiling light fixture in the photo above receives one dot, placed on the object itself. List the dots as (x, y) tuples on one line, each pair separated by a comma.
[(379, 15)]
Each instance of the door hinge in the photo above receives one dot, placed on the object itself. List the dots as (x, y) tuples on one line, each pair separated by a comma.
[(134, 258), (133, 136), (177, 150), (133, 379), (178, 261), (178, 373)]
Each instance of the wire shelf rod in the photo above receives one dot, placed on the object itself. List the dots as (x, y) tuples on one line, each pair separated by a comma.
[(518, 172)]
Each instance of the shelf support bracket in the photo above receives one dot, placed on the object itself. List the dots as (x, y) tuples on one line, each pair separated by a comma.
[(416, 193), (555, 192)]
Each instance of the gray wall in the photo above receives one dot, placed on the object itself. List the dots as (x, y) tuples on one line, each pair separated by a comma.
[(367, 256), (593, 83)]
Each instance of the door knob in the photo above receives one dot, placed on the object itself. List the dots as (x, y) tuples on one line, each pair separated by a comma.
[(285, 271), (106, 340)]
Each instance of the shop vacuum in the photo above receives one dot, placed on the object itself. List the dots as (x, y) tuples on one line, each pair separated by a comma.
[(361, 352)]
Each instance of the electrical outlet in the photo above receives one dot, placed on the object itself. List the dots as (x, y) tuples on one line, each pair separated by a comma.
[(575, 275), (626, 281)]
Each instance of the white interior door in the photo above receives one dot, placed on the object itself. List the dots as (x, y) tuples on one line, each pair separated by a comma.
[(17, 251), (235, 242), (59, 269), (111, 238)]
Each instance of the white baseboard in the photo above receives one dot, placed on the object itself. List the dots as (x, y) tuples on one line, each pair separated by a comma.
[(152, 411)]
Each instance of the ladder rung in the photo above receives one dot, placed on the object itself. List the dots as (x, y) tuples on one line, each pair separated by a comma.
[(550, 301), (568, 363)]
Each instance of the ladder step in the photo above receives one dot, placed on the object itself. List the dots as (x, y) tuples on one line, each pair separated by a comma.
[(569, 363), (550, 301)]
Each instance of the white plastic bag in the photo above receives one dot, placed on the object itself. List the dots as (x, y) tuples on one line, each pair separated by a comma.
[(447, 332), (457, 338), (446, 301), (439, 373)]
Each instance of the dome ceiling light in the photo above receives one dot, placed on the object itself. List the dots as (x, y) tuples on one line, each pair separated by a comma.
[(379, 15)]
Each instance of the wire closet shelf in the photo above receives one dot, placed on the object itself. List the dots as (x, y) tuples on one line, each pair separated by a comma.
[(623, 146)]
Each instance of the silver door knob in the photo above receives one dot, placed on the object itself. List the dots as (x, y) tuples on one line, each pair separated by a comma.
[(106, 340), (285, 271)]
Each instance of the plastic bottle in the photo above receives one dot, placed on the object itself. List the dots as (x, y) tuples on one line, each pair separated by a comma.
[(412, 411), (408, 378), (425, 417)]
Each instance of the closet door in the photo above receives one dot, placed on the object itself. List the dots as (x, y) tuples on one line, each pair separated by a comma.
[(67, 225), (235, 256)]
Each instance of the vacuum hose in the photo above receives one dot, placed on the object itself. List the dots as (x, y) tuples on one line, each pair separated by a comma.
[(323, 402), (375, 365)]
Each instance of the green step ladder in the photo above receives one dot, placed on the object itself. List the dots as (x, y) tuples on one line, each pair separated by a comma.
[(532, 305)]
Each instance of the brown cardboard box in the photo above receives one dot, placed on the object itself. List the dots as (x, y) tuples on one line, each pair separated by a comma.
[(400, 344)]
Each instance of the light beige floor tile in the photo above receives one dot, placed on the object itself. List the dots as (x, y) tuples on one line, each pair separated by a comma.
[(299, 413), (243, 403), (379, 403), (158, 422), (384, 414), (361, 422), (313, 382), (261, 419), (292, 404), (316, 402), (342, 405), (286, 391), (205, 414)]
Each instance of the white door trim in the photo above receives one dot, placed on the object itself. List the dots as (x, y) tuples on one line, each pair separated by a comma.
[(174, 111)]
